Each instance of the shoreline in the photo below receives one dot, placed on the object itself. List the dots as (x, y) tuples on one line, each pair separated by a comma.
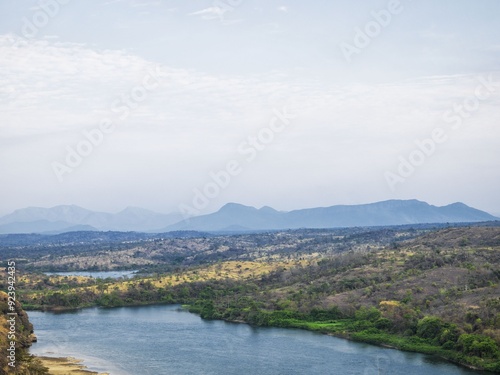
[(346, 336), (66, 365)]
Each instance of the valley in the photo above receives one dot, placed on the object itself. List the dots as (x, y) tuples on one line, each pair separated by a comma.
[(425, 288)]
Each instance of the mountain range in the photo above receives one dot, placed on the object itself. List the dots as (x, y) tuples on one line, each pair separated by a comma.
[(67, 218), (235, 217)]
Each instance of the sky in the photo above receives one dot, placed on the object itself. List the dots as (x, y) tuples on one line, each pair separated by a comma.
[(175, 105)]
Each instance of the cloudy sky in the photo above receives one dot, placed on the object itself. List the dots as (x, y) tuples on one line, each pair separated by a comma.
[(174, 104)]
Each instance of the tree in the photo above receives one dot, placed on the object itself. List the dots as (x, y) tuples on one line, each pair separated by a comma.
[(429, 327), (477, 345), (371, 314)]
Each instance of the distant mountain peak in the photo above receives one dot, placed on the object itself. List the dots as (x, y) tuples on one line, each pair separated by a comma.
[(236, 207), (403, 202), (268, 209), (457, 204), (389, 212), (236, 217)]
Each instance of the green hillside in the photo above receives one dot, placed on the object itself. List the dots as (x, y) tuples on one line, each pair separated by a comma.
[(437, 292)]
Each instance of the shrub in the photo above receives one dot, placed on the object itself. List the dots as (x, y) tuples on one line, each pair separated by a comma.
[(450, 333), (371, 314), (383, 323), (478, 345), (429, 327)]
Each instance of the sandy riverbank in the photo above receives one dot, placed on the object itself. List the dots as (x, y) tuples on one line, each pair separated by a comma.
[(66, 366)]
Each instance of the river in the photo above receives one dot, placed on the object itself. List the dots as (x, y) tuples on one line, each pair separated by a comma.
[(164, 339), (96, 274)]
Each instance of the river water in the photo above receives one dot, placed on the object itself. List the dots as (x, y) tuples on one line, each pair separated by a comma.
[(164, 339), (96, 274)]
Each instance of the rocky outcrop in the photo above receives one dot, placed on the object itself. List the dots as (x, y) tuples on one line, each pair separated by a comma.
[(16, 336)]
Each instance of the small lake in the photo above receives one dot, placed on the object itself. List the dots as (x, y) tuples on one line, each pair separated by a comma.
[(161, 340), (96, 274)]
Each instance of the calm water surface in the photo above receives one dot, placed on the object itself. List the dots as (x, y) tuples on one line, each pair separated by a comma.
[(157, 340), (96, 274)]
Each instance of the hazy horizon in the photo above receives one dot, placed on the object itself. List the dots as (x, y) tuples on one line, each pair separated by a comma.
[(238, 203), (169, 105)]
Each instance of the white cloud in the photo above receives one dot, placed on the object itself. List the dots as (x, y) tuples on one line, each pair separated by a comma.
[(216, 12), (59, 87), (283, 9), (210, 13), (193, 122)]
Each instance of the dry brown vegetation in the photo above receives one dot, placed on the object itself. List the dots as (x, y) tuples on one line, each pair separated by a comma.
[(24, 364), (450, 276)]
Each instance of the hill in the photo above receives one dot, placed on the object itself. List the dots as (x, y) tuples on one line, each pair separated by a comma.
[(392, 212), (22, 334), (434, 291)]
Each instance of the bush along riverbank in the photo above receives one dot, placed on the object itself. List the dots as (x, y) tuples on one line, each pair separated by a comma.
[(393, 323), (396, 324), (430, 335)]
